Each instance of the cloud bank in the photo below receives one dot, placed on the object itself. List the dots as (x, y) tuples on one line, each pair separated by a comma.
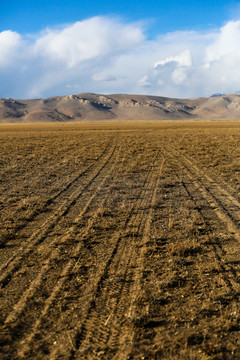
[(106, 55)]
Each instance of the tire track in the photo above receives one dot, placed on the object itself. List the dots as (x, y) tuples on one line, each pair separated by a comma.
[(132, 311), (65, 188), (220, 201), (119, 279), (51, 255), (225, 194), (135, 240), (96, 288), (115, 239), (226, 268), (62, 191), (71, 265), (203, 192), (14, 262)]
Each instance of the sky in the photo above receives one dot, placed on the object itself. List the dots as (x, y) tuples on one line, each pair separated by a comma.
[(169, 48)]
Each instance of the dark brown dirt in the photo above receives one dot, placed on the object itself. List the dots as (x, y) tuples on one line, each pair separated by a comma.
[(120, 241)]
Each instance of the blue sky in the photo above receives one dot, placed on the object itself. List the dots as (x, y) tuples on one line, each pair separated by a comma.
[(173, 48), (161, 16)]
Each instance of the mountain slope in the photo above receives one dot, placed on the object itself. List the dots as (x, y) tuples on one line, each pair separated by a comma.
[(93, 107)]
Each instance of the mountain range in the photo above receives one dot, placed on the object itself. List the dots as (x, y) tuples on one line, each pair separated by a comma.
[(96, 107)]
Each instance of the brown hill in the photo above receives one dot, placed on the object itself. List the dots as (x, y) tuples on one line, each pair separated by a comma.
[(94, 107)]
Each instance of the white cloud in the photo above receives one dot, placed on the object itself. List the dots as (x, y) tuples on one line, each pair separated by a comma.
[(144, 81), (227, 43), (102, 76), (85, 40), (106, 55), (9, 44), (183, 59), (179, 76)]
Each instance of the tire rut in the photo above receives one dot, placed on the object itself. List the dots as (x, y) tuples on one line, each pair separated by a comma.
[(232, 282), (69, 267), (52, 254), (197, 190), (55, 197), (121, 282), (79, 331), (219, 199), (39, 236)]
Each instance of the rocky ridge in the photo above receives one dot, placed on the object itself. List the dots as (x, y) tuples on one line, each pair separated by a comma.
[(96, 107)]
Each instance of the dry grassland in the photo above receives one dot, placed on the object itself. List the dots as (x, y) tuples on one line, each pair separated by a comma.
[(120, 241)]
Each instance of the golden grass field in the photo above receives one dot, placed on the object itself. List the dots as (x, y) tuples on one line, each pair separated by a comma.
[(120, 240)]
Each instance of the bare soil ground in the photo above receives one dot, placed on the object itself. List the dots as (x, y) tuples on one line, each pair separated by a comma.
[(120, 241)]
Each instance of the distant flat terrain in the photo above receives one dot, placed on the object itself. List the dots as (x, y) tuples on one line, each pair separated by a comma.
[(120, 240), (95, 107)]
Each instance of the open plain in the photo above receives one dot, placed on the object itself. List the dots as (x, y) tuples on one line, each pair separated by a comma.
[(120, 240)]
